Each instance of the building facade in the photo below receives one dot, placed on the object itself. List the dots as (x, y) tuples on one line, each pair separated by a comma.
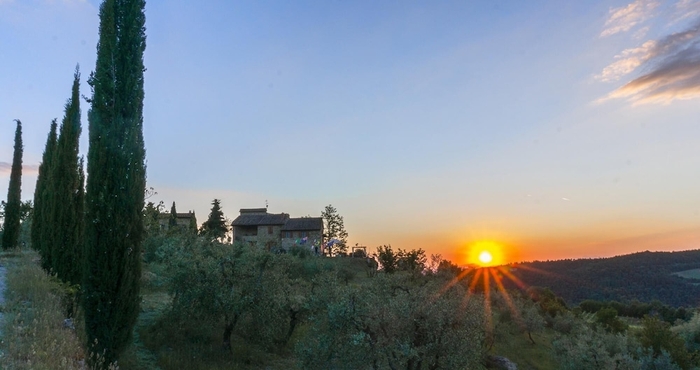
[(184, 220), (275, 231)]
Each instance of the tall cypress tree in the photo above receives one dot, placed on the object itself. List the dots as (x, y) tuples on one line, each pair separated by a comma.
[(116, 179), (172, 221), (65, 214), (10, 235), (39, 219)]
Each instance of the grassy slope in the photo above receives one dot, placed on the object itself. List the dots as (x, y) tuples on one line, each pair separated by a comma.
[(528, 356), (33, 333)]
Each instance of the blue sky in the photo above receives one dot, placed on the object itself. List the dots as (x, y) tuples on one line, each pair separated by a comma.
[(558, 130)]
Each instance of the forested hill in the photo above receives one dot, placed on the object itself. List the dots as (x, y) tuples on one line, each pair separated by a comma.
[(643, 276)]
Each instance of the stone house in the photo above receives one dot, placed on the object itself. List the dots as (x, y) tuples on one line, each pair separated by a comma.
[(184, 220), (277, 230)]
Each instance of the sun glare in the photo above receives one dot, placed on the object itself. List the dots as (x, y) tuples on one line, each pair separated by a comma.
[(485, 257), (485, 253)]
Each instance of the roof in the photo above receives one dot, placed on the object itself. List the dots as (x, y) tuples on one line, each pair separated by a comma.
[(178, 215), (303, 224), (260, 219), (253, 210)]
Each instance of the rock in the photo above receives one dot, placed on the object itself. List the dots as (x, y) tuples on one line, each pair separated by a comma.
[(500, 363), (68, 324)]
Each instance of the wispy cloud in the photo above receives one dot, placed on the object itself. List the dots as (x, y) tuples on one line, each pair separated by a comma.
[(627, 62), (624, 18), (671, 69), (5, 168), (687, 9), (663, 69)]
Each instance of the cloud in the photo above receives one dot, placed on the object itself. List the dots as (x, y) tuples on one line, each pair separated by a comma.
[(624, 18), (627, 62), (670, 69), (687, 9), (6, 167)]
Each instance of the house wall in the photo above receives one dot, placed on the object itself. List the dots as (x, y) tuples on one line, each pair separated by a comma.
[(247, 234), (181, 222), (269, 236)]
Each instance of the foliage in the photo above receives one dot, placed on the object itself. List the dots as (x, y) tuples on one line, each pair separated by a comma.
[(657, 336), (64, 217), (334, 229), (690, 332), (608, 318), (260, 295), (215, 227), (392, 322), (40, 220), (388, 259), (549, 302), (412, 261), (639, 309), (116, 179), (150, 217), (11, 224), (588, 349)]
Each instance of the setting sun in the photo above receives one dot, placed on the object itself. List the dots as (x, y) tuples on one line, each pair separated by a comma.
[(485, 253), (485, 257)]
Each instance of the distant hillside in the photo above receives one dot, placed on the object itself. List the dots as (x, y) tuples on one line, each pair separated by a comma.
[(644, 276)]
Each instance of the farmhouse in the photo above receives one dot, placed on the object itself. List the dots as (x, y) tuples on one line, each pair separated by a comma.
[(184, 220), (277, 230)]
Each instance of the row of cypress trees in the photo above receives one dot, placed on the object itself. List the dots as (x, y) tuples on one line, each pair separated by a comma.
[(59, 196), (91, 234)]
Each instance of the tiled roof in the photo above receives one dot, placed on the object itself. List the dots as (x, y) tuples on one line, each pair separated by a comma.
[(303, 224), (260, 219)]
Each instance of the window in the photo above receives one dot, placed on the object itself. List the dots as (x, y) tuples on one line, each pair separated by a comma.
[(269, 230)]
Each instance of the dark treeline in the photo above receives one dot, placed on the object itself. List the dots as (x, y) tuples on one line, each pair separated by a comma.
[(644, 276)]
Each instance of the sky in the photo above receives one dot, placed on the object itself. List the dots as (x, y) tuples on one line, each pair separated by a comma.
[(550, 129)]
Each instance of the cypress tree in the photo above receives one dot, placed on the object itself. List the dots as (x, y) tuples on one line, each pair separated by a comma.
[(215, 226), (172, 221), (116, 179), (10, 235), (193, 223), (65, 214), (39, 220)]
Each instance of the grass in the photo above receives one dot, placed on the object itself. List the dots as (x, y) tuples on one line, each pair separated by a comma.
[(34, 336), (518, 348)]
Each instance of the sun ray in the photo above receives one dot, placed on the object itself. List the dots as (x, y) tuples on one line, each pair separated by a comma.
[(488, 315), (509, 301), (505, 271), (470, 291), (452, 282)]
